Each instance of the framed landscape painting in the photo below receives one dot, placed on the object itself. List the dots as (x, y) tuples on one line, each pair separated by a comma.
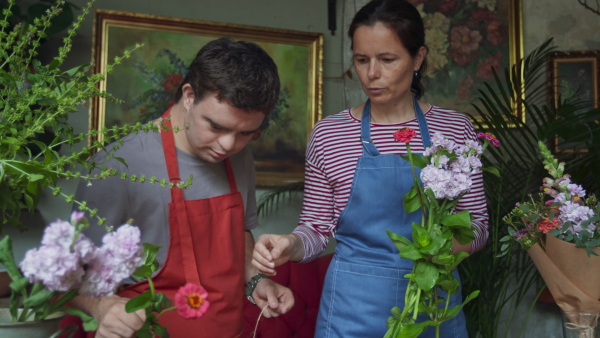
[(145, 83)]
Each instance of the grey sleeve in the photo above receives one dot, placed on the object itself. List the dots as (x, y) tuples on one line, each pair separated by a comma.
[(251, 212), (109, 196)]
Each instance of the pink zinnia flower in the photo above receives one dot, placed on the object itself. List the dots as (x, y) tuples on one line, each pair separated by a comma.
[(191, 301), (490, 137), (404, 135)]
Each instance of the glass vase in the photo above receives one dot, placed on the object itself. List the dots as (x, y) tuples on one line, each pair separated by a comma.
[(580, 324)]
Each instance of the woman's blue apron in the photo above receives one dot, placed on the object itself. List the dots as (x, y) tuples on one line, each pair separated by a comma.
[(365, 279)]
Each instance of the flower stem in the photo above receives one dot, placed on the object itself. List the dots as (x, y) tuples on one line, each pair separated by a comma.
[(165, 311), (415, 179)]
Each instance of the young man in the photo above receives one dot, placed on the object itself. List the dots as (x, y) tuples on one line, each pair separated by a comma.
[(204, 230)]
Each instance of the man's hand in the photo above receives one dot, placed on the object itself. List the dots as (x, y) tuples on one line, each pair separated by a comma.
[(113, 321), (279, 298)]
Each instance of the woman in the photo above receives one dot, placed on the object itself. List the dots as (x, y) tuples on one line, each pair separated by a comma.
[(355, 180)]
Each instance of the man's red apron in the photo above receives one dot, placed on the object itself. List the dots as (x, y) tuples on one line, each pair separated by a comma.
[(207, 248)]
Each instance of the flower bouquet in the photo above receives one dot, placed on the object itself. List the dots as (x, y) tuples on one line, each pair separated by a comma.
[(559, 230), (68, 264), (446, 170)]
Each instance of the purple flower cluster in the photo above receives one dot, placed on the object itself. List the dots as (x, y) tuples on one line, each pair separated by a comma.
[(569, 196), (121, 255), (64, 262), (451, 165)]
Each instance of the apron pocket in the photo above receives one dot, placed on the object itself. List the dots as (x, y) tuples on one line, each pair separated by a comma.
[(357, 299)]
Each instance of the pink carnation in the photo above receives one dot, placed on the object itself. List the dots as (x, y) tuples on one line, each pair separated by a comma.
[(404, 135)]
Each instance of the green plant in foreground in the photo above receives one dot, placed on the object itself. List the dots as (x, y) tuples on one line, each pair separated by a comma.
[(35, 98), (446, 169)]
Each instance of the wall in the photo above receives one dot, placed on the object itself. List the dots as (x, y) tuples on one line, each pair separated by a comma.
[(571, 25)]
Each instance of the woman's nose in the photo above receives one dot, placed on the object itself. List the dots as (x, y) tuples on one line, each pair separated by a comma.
[(374, 70)]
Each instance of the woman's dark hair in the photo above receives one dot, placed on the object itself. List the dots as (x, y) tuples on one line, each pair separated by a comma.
[(404, 19), (239, 72)]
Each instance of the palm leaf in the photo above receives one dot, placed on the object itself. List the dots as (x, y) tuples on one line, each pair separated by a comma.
[(505, 281), (271, 200)]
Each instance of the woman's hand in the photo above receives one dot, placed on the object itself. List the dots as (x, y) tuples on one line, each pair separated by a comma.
[(273, 250)]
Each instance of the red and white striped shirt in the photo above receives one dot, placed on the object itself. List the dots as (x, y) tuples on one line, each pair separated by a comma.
[(331, 156)]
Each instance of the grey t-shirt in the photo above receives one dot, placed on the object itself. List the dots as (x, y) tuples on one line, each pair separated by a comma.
[(147, 204)]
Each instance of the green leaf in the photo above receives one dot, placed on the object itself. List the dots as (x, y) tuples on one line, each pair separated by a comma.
[(411, 252), (89, 322), (443, 259), (434, 247), (141, 301), (19, 284), (43, 296), (462, 218), (459, 257), (400, 242), (8, 260), (449, 285), (160, 331), (418, 160), (420, 236), (492, 170), (150, 251), (144, 333), (426, 275), (411, 200), (143, 272), (463, 235), (146, 330), (411, 330), (73, 71)]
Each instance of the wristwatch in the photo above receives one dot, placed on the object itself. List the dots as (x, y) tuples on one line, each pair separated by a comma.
[(251, 285)]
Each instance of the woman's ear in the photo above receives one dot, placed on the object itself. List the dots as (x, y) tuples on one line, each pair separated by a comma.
[(420, 57)]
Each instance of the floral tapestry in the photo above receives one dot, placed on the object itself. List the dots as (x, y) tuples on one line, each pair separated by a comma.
[(465, 40)]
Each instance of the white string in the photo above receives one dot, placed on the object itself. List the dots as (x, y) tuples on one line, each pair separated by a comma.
[(585, 328), (256, 327)]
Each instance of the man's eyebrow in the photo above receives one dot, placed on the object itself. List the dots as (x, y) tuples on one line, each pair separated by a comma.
[(215, 124)]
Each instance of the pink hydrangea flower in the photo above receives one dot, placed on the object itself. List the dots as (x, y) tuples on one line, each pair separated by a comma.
[(191, 301)]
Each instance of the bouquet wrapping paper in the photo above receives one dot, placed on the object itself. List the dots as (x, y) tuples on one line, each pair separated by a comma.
[(573, 278)]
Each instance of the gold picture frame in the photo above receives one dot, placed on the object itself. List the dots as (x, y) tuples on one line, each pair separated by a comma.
[(574, 73), (145, 81)]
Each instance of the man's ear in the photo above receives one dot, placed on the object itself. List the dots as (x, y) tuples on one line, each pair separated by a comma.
[(188, 95)]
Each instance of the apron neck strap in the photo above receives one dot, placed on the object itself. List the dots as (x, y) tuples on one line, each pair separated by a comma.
[(365, 131), (365, 128), (425, 137), (170, 151)]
